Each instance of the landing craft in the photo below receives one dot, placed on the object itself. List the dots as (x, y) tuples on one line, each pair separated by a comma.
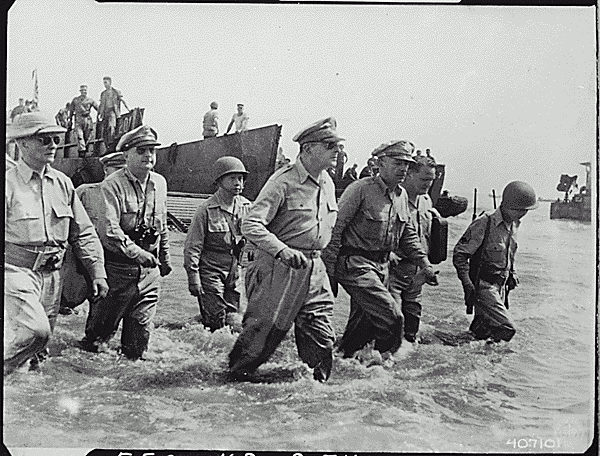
[(185, 166)]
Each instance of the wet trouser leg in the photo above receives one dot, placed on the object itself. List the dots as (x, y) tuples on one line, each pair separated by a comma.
[(137, 321), (374, 314), (219, 274), (31, 301), (408, 295), (278, 295), (491, 316), (312, 327), (133, 293)]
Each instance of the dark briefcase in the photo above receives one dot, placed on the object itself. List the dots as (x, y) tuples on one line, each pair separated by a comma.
[(438, 248)]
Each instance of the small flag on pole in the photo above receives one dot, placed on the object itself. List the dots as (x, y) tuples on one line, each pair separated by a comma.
[(34, 76)]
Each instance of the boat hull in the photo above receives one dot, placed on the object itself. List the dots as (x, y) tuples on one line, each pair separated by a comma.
[(572, 210), (188, 167)]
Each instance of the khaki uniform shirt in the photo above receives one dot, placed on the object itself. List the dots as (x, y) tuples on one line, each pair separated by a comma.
[(500, 249), (373, 218), (122, 209), (45, 210), (420, 219), (292, 210), (211, 229)]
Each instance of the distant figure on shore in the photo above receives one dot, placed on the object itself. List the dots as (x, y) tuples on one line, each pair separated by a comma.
[(419, 153), (81, 108), (110, 111), (240, 119), (210, 122), (428, 152), (62, 117), (17, 110)]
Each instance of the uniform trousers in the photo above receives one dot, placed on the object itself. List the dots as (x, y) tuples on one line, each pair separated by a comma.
[(409, 295), (374, 313), (83, 128), (491, 315), (220, 278), (31, 302), (279, 296), (132, 297)]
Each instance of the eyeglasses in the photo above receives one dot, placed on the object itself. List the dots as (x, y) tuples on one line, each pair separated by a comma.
[(46, 140)]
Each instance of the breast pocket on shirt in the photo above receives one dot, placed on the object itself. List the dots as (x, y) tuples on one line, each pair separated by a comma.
[(129, 215), (298, 204), (25, 221), (62, 216), (376, 222), (497, 255), (216, 221)]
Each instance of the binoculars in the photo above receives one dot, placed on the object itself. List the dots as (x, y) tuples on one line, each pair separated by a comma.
[(144, 236)]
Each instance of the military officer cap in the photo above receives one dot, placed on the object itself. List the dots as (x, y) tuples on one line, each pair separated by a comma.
[(323, 130), (398, 148), (32, 123), (138, 137), (116, 159)]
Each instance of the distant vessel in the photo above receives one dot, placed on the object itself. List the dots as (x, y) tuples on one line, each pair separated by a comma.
[(574, 206)]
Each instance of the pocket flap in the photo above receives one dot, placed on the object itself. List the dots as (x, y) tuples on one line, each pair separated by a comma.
[(63, 211), (297, 204)]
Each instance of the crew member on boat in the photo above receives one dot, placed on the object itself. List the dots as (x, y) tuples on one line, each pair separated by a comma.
[(214, 245), (290, 223), (81, 109)]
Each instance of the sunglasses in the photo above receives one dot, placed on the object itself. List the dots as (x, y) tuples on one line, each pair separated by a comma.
[(328, 145), (47, 140)]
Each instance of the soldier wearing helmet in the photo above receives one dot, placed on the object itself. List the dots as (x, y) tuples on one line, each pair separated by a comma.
[(484, 261), (214, 243)]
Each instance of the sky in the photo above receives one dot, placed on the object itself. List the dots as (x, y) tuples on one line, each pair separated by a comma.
[(497, 93)]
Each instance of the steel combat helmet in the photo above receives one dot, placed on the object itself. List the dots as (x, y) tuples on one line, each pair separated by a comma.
[(228, 165), (519, 195)]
